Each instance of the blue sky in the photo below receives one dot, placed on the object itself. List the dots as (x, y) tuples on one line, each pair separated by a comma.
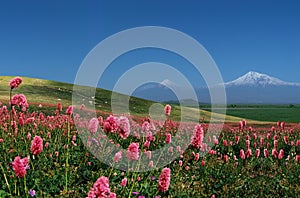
[(50, 39)]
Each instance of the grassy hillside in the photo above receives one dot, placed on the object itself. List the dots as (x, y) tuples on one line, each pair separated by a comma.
[(48, 93)]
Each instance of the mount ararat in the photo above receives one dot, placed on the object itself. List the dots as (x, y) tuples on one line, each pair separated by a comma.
[(251, 88)]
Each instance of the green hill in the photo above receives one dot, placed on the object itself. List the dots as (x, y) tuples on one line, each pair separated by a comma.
[(49, 93)]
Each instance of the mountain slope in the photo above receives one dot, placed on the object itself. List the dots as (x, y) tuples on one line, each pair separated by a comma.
[(49, 93), (258, 79)]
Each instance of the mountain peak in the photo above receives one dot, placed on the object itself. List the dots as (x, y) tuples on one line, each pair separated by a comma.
[(253, 78)]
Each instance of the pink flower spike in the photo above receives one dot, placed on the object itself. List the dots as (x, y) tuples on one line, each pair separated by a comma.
[(124, 182), (164, 180), (101, 189), (124, 127), (93, 125), (197, 137), (118, 156), (133, 152), (15, 82), (19, 166), (36, 145), (69, 110), (168, 110)]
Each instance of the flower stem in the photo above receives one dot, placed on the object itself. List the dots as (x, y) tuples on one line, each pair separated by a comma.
[(6, 181), (25, 187), (67, 159)]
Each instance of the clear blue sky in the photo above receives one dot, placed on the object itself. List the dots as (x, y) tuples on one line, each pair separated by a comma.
[(49, 39)]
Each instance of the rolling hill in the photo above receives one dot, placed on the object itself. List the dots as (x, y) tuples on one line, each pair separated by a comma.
[(49, 93)]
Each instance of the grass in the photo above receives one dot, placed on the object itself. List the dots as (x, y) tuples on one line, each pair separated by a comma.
[(270, 113), (49, 93)]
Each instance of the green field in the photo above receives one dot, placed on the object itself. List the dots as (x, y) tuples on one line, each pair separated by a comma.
[(268, 113)]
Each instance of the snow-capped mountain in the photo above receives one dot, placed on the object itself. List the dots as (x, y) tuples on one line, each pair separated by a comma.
[(257, 79), (253, 87), (168, 83)]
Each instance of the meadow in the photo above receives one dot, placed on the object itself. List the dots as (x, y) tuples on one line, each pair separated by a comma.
[(48, 150)]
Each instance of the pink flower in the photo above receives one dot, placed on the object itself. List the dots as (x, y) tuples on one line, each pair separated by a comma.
[(69, 110), (19, 166), (110, 124), (255, 136), (148, 153), (226, 158), (124, 127), (278, 123), (242, 154), (164, 180), (244, 123), (124, 182), (266, 153), (197, 156), (274, 153), (168, 138), (133, 152), (286, 139), (198, 136), (100, 120), (36, 145), (241, 125), (145, 126), (215, 139), (82, 107), (254, 144), (224, 142), (15, 82), (250, 130), (257, 153), (282, 125), (149, 136), (247, 143), (297, 158), (101, 189), (262, 141), (147, 144), (59, 107), (20, 101), (298, 143), (248, 153), (203, 163), (29, 120), (281, 154), (234, 158), (118, 156), (93, 125), (28, 136), (21, 121), (168, 110), (272, 128), (237, 139), (180, 163), (275, 143)]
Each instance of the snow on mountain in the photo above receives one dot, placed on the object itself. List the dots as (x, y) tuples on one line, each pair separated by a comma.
[(257, 79), (168, 83)]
